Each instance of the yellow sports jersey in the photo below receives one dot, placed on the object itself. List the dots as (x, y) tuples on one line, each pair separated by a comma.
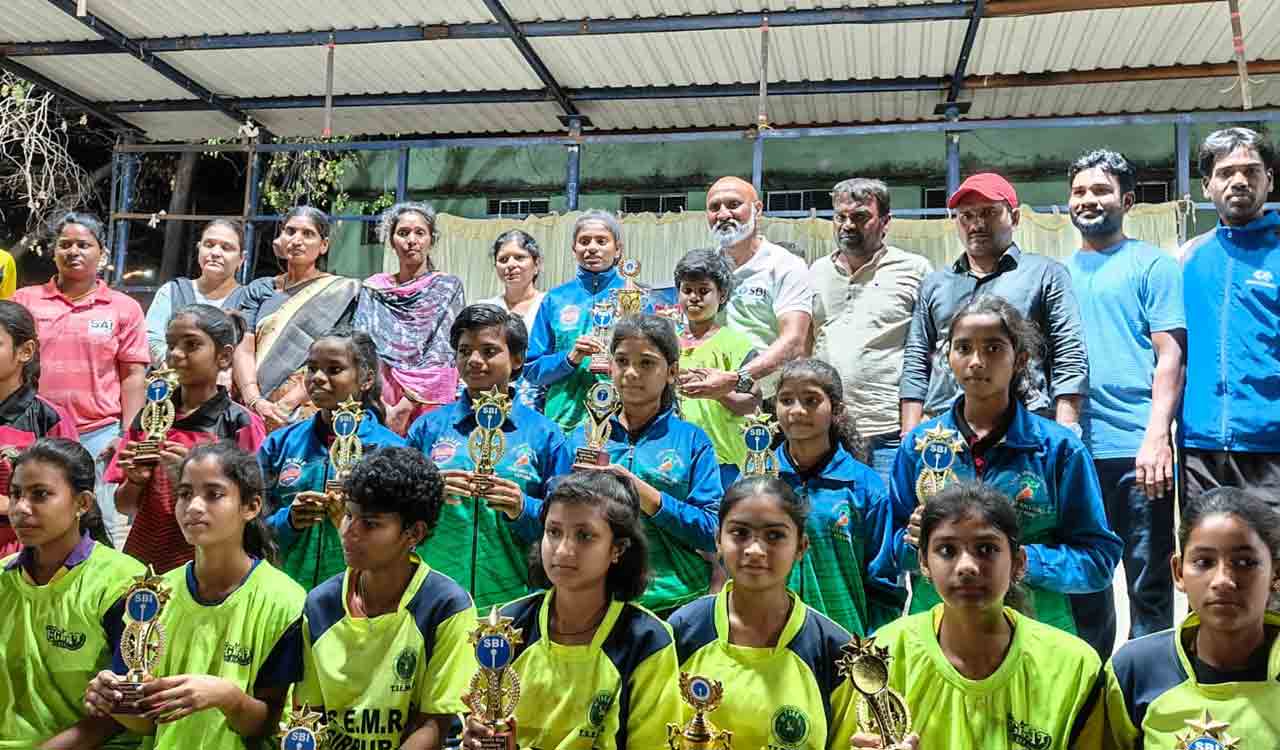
[(250, 638), (1154, 690), (374, 674), (786, 697), (1046, 695), (56, 638), (618, 691)]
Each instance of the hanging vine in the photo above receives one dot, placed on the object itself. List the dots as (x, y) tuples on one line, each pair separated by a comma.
[(312, 177)]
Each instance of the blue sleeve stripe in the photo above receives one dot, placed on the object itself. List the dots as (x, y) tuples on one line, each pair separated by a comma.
[(324, 607), (1145, 669), (694, 626), (438, 599), (524, 617), (818, 645)]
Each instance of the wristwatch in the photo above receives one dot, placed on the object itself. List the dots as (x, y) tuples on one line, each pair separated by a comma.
[(745, 382)]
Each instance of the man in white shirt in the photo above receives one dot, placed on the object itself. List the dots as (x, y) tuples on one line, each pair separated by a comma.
[(771, 302)]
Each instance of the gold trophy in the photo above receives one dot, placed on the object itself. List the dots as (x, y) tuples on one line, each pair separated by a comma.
[(487, 443), (304, 729), (142, 642), (938, 448), (157, 415), (346, 450), (630, 297), (757, 433), (603, 315), (699, 733), (602, 404), (495, 688), (1206, 733), (881, 711)]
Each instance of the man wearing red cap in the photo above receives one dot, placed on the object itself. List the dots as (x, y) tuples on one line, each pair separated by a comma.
[(986, 214)]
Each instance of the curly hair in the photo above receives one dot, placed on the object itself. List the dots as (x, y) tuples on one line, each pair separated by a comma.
[(843, 431), (705, 263), (398, 480), (628, 578)]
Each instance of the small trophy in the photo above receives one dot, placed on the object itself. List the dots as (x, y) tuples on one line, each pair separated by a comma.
[(157, 415), (677, 317), (487, 443), (303, 729), (630, 297), (603, 314), (1206, 733), (757, 433), (602, 404), (495, 689), (881, 710), (142, 642), (704, 695), (938, 448), (346, 450)]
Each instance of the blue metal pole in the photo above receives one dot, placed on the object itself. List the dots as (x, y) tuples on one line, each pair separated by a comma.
[(129, 174), (1182, 149), (402, 175), (953, 162), (572, 177), (250, 229), (757, 165), (115, 198)]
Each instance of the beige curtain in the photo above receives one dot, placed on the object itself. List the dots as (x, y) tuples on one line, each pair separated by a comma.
[(658, 242)]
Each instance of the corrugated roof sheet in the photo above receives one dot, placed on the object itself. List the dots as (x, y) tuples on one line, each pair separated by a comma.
[(1138, 96), (741, 111), (186, 126), (107, 77), (452, 118), (38, 21), (556, 10)]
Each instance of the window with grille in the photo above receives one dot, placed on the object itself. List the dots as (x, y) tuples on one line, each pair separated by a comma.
[(654, 204), (935, 197), (797, 200), (1152, 192), (518, 208)]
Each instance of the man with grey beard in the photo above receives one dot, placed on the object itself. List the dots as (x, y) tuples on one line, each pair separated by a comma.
[(771, 303), (866, 293), (1130, 296)]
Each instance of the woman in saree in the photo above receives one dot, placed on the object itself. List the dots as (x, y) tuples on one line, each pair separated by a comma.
[(408, 314), (284, 314)]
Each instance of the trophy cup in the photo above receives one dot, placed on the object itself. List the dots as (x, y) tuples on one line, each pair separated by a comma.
[(157, 415), (303, 729), (704, 695), (487, 443), (142, 642), (603, 314), (881, 711), (495, 688), (630, 297), (938, 448), (602, 404), (346, 450), (1206, 733), (757, 433)]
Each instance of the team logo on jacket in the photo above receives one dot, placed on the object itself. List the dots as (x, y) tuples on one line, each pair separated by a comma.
[(65, 639), (444, 450), (1030, 499), (522, 464), (1264, 278), (234, 653), (569, 315), (669, 462), (790, 726), (599, 709), (844, 518), (1024, 735), (406, 664), (291, 472)]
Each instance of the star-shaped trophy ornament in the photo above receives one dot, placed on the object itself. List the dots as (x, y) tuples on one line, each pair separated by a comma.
[(1207, 733)]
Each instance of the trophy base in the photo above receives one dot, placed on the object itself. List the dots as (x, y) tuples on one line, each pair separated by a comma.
[(147, 451), (132, 694), (335, 485), (505, 740), (599, 364), (591, 457)]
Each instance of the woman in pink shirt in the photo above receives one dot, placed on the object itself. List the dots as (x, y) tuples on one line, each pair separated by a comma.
[(93, 347)]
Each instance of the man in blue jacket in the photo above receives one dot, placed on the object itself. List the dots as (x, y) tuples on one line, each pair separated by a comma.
[(1231, 282)]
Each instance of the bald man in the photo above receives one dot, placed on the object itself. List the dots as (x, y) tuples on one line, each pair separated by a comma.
[(772, 299)]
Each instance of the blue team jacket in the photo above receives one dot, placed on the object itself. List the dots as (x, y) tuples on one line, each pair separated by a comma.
[(296, 459), (1231, 288), (536, 451), (565, 314), (678, 460), (848, 573), (1045, 470)]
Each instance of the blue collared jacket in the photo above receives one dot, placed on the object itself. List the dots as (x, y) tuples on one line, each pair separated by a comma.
[(848, 573), (1231, 289), (296, 459), (1045, 470), (493, 561), (678, 460), (565, 314)]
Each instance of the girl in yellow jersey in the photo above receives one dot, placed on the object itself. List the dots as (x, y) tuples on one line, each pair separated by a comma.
[(1216, 676), (62, 601), (233, 640), (974, 673), (775, 657), (597, 671)]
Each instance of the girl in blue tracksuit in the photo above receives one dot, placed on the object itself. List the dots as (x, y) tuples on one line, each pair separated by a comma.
[(671, 463), (295, 459), (850, 524), (1041, 466), (561, 342)]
